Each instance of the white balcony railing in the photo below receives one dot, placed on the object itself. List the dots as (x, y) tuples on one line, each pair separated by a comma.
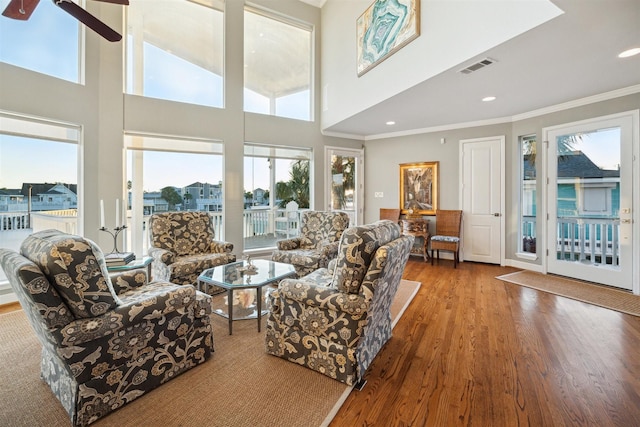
[(589, 240)]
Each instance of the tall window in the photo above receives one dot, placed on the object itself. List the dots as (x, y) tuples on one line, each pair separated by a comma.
[(38, 178), (528, 150), (48, 42), (175, 50), (171, 174), (273, 176), (277, 66)]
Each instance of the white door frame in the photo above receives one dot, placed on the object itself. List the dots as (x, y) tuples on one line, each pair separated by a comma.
[(635, 216), (358, 153), (502, 189)]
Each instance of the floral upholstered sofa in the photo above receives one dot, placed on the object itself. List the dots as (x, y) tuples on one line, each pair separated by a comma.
[(317, 244), (335, 320), (106, 340), (183, 245)]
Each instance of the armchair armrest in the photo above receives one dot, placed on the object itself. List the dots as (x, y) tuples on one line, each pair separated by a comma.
[(330, 250), (126, 280), (162, 255), (220, 247), (289, 244), (309, 294), (152, 301)]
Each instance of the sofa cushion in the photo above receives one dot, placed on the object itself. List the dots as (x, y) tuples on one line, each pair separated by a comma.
[(75, 267), (357, 249)]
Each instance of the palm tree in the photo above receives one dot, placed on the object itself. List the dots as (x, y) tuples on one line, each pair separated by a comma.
[(297, 188), (344, 166)]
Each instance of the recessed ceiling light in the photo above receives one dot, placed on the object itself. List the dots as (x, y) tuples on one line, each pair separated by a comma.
[(489, 98), (629, 52), (390, 123)]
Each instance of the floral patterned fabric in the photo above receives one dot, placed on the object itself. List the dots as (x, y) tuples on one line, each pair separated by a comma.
[(318, 243), (94, 365), (73, 266), (336, 322), (183, 245)]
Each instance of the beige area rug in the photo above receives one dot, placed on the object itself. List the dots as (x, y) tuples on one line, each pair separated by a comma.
[(240, 385), (603, 296)]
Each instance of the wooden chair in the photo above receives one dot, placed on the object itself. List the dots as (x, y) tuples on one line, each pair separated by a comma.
[(392, 214), (447, 235)]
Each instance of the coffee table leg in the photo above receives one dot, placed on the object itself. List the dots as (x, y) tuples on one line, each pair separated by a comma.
[(259, 297), (230, 305)]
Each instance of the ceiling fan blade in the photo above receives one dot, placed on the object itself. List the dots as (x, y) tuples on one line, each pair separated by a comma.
[(122, 2), (88, 19), (20, 9)]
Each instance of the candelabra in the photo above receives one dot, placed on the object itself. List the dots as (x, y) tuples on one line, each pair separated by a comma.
[(114, 234)]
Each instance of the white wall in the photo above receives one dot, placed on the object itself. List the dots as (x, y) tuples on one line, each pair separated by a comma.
[(451, 32), (383, 157)]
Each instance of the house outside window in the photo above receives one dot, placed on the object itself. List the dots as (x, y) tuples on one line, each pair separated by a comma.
[(170, 173), (35, 196)]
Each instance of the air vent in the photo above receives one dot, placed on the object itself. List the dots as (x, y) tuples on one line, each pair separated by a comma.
[(478, 65)]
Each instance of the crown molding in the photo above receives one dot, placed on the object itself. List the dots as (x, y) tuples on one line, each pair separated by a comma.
[(630, 90)]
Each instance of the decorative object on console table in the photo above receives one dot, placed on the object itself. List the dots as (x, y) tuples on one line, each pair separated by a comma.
[(117, 229), (419, 188), (120, 258), (419, 229), (383, 29)]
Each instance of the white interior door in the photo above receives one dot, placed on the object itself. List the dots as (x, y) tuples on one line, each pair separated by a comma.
[(344, 182), (482, 169), (590, 200)]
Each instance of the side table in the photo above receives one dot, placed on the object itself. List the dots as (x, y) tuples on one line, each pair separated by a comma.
[(133, 265), (418, 228)]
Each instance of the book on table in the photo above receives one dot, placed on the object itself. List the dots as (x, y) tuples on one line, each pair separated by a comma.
[(116, 259)]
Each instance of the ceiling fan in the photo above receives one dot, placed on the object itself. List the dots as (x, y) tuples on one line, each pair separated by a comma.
[(22, 10)]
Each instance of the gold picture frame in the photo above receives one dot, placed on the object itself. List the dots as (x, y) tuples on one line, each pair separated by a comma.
[(419, 188), (383, 29)]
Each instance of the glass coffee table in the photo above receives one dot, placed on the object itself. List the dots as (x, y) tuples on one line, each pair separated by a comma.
[(237, 277)]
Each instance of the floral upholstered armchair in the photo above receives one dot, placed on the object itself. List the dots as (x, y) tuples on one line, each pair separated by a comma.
[(106, 340), (317, 244), (183, 245), (335, 320)]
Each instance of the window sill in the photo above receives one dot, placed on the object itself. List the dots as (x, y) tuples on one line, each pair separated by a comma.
[(527, 255)]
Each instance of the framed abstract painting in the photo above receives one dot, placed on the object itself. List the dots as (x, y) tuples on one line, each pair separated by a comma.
[(383, 29), (419, 188)]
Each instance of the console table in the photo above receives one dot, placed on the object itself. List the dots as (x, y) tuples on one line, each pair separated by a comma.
[(418, 228)]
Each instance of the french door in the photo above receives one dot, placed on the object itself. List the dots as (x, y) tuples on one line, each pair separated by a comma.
[(590, 200), (344, 179)]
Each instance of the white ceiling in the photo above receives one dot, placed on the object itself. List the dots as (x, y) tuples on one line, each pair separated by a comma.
[(571, 57)]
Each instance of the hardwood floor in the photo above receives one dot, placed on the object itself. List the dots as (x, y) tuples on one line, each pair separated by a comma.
[(472, 350), (7, 308)]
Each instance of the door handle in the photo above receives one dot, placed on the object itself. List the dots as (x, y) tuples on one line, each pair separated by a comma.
[(497, 214), (625, 221)]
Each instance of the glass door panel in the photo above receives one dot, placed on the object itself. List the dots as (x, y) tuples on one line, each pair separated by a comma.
[(590, 199), (344, 186)]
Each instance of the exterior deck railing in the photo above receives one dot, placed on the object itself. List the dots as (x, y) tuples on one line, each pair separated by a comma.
[(594, 240), (586, 239)]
